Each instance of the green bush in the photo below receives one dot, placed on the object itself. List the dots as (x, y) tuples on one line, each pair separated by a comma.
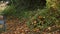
[(50, 16)]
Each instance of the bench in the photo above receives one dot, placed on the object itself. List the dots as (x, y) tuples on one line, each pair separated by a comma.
[(2, 23)]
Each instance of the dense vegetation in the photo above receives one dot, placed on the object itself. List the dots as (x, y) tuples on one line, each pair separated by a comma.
[(39, 13)]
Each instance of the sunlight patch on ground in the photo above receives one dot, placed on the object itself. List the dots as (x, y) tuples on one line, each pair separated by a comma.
[(3, 5)]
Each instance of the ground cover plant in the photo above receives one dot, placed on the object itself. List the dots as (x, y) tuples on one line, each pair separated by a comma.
[(39, 15)]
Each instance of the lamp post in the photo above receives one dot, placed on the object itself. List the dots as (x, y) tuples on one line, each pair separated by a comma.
[(4, 17)]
